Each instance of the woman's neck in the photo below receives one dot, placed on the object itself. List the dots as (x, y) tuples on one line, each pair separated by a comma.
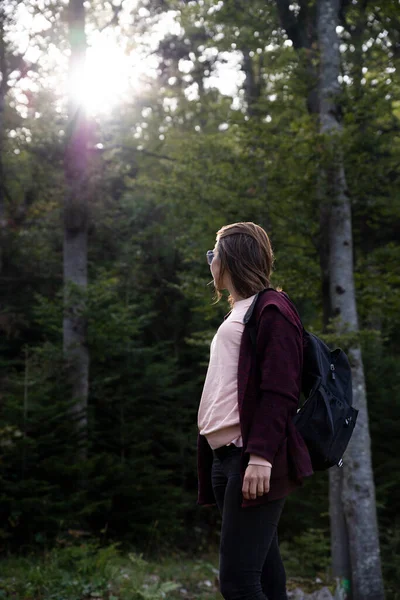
[(236, 297)]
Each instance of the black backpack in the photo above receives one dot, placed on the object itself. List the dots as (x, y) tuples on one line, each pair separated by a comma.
[(326, 419)]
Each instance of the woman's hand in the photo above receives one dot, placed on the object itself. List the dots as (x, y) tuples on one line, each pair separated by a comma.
[(256, 481)]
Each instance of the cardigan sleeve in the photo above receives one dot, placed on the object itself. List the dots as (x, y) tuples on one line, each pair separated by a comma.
[(280, 358)]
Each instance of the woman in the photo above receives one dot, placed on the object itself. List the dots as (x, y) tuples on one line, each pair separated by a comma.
[(250, 456)]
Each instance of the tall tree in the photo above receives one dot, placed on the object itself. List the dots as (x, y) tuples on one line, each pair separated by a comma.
[(3, 89), (301, 28), (354, 482), (76, 223)]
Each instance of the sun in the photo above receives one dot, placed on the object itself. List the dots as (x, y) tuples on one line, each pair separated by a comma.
[(107, 78)]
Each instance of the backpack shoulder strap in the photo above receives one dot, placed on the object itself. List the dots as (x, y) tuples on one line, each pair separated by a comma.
[(251, 325)]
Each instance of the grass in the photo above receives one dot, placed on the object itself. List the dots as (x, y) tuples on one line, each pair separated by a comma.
[(86, 571), (78, 569)]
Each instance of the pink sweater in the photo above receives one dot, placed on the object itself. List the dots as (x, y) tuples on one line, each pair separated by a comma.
[(218, 415)]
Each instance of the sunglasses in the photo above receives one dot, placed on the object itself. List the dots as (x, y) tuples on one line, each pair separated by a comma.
[(210, 256)]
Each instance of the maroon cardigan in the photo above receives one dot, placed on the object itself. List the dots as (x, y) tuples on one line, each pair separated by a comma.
[(268, 393)]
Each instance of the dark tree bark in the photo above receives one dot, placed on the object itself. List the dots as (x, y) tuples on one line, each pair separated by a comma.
[(3, 91), (356, 512), (76, 229), (252, 83), (302, 31)]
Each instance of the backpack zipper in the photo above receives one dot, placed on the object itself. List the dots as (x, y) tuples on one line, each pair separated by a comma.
[(333, 371)]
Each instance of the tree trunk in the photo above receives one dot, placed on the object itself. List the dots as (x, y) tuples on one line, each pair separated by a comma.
[(340, 552), (301, 30), (3, 90), (251, 86), (355, 481), (75, 230)]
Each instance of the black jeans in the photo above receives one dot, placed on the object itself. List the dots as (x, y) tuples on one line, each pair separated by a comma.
[(250, 565)]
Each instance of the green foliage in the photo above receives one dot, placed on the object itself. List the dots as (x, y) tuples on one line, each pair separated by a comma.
[(76, 569), (390, 544), (308, 553), (383, 381), (85, 570)]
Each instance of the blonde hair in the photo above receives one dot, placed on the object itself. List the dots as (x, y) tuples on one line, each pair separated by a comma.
[(245, 251)]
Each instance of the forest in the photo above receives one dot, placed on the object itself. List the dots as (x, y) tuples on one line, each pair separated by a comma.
[(131, 131)]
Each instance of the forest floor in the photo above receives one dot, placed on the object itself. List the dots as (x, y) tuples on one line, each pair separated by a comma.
[(87, 572)]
